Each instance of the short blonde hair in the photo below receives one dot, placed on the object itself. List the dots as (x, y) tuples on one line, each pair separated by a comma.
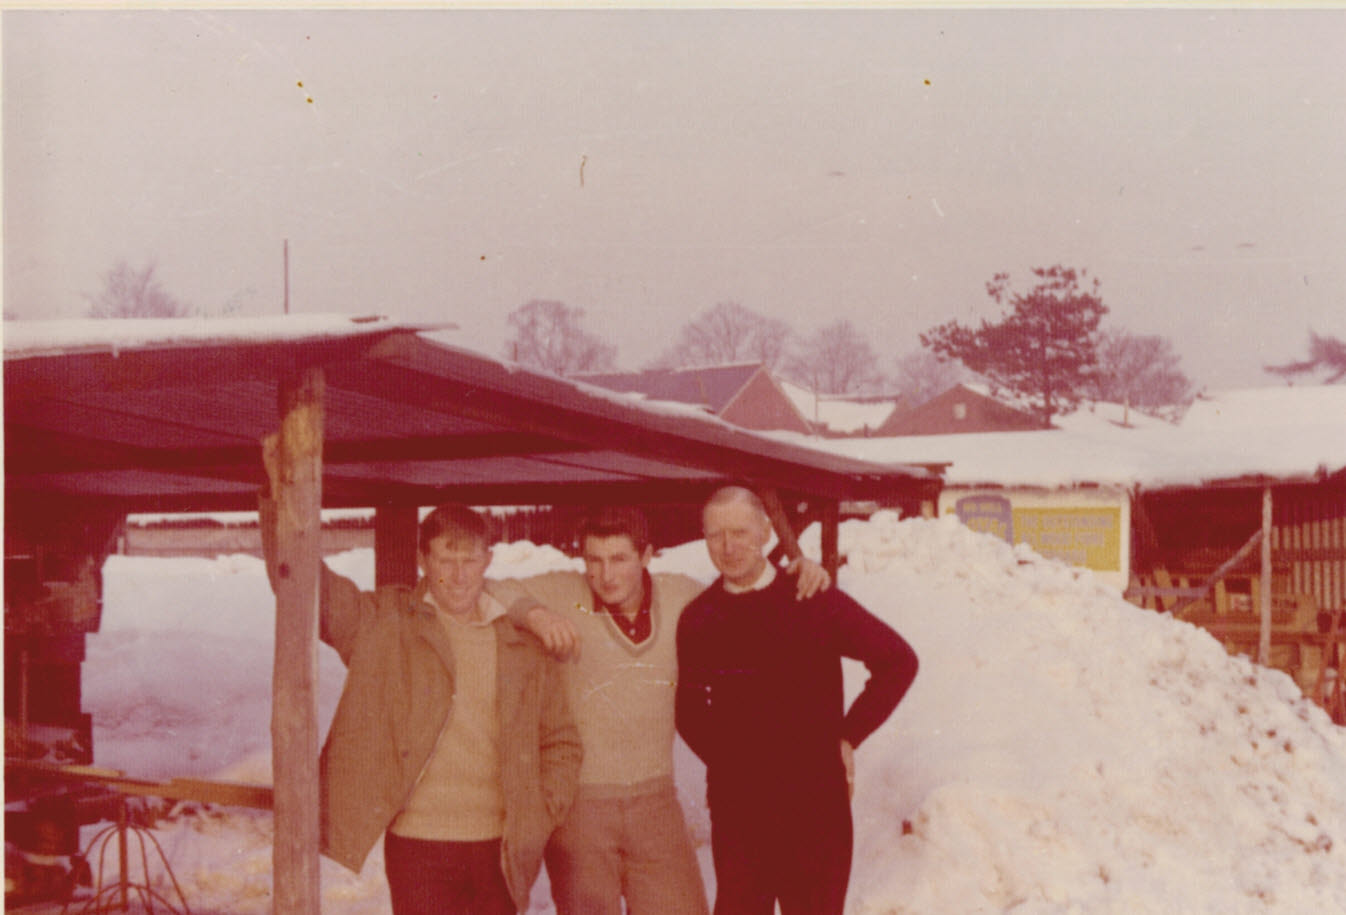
[(728, 495)]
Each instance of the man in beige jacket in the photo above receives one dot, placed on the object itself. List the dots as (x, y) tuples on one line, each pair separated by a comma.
[(625, 837), (453, 737)]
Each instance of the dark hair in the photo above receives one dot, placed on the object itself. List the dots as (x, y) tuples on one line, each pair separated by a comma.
[(458, 523), (617, 521)]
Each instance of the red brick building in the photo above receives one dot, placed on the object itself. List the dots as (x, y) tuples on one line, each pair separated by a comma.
[(959, 409)]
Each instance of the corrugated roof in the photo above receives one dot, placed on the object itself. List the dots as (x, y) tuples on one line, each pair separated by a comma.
[(171, 420)]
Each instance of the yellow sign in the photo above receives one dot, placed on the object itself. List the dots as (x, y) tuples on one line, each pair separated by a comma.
[(1089, 537)]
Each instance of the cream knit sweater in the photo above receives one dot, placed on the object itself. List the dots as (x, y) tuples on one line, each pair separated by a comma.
[(622, 695)]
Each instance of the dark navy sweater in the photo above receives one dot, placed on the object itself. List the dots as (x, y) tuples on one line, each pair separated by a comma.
[(760, 694)]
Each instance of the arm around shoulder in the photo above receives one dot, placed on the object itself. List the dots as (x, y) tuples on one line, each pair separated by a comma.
[(545, 605), (560, 750)]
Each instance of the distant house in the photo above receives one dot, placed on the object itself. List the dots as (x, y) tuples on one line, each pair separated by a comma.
[(844, 415), (1175, 516), (744, 394), (962, 408)]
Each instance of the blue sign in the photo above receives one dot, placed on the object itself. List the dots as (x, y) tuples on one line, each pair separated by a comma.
[(989, 514)]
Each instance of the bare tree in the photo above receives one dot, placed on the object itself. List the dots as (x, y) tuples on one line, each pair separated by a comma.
[(131, 293), (922, 375), (548, 335), (1140, 371), (836, 360), (728, 333), (1326, 353)]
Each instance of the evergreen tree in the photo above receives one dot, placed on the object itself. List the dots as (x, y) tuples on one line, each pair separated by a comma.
[(1044, 350)]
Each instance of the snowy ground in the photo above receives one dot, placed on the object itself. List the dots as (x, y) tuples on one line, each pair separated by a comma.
[(1061, 751)]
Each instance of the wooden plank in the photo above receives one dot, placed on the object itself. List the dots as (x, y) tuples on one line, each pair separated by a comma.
[(1264, 642), (229, 794), (295, 474), (178, 788), (1142, 592), (1225, 568)]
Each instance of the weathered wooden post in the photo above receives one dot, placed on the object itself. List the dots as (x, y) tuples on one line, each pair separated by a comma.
[(831, 546), (1264, 634), (829, 518), (297, 492), (780, 520)]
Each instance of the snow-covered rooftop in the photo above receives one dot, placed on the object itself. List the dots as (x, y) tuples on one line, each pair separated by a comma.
[(46, 338), (1266, 408), (838, 414), (1280, 433)]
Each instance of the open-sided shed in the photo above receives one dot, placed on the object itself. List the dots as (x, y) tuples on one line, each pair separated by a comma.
[(107, 418)]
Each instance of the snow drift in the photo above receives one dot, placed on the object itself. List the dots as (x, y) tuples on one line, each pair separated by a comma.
[(1061, 751)]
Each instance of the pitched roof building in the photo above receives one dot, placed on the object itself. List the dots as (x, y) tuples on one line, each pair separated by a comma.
[(844, 415), (744, 394), (962, 408)]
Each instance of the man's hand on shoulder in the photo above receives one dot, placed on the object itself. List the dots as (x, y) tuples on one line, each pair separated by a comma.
[(811, 577), (556, 633)]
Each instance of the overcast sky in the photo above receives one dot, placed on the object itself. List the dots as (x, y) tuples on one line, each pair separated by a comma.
[(876, 165)]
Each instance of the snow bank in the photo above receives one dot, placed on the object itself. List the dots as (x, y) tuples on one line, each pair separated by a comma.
[(1061, 751), (1078, 753)]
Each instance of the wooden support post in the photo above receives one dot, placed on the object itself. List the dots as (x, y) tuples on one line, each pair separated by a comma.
[(1264, 636), (831, 523), (395, 545), (785, 532), (294, 706)]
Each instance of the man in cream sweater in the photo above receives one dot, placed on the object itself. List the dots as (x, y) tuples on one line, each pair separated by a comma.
[(625, 836)]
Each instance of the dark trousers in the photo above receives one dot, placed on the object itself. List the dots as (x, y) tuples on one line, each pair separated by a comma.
[(797, 855), (445, 878)]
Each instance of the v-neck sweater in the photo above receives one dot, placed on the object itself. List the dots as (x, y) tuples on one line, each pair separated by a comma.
[(621, 693)]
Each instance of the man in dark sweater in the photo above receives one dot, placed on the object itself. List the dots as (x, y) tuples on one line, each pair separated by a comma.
[(760, 699)]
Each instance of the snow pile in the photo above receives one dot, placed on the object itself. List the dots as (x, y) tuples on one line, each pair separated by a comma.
[(1061, 750), (1081, 754)]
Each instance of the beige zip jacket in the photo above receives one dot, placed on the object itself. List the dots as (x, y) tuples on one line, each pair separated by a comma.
[(397, 698)]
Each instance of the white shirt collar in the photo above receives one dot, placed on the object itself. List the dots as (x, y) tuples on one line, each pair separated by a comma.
[(764, 580)]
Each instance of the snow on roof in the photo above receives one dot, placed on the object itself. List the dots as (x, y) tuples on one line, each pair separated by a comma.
[(712, 385), (838, 413), (1106, 415), (25, 339), (1262, 408), (1308, 441)]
